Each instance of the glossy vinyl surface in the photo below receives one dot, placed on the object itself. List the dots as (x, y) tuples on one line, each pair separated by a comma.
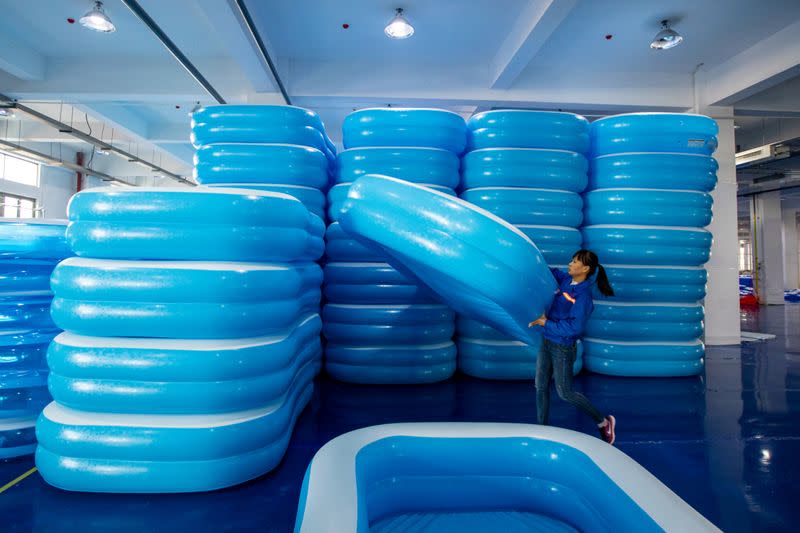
[(478, 264), (654, 171), (26, 275), (340, 246), (394, 364), (337, 197), (372, 283), (654, 207), (153, 376), (23, 393), (400, 127), (556, 243), (365, 325), (654, 132), (17, 437), (433, 166), (182, 299), (648, 245), (644, 358), (645, 321), (528, 129), (524, 167), (238, 163), (22, 311), (730, 449), (652, 284), (39, 240), (529, 206), (489, 358), (24, 349), (164, 223), (260, 124), (312, 198)]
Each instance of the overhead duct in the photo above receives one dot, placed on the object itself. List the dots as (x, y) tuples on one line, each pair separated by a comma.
[(762, 154)]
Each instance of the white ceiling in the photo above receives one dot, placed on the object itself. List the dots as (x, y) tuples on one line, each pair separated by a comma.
[(465, 56)]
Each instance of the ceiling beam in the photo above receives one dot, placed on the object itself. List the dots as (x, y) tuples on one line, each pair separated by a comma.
[(538, 20), (763, 65)]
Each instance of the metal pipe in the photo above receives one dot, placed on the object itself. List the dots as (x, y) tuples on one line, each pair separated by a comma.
[(85, 137), (247, 22), (137, 10)]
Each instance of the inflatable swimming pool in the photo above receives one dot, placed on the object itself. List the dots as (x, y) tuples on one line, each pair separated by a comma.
[(278, 124), (433, 166), (34, 239), (655, 207), (170, 223), (391, 364), (685, 172), (645, 321), (238, 163), (182, 299), (313, 199), (654, 132), (337, 197), (648, 245), (519, 205), (342, 247), (517, 128), (649, 283), (502, 359), (524, 167), (483, 477), (372, 283), (477, 263), (556, 243), (405, 127), (644, 358), (363, 325)]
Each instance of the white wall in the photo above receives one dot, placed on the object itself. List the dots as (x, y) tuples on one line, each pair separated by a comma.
[(57, 185)]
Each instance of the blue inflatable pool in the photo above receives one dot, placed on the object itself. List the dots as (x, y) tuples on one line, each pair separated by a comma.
[(372, 283), (260, 124), (654, 132), (337, 197), (478, 264), (645, 358), (655, 207), (179, 376), (365, 325), (239, 163), (524, 167), (684, 172), (502, 359), (341, 246), (517, 128), (657, 283), (36, 239), (24, 394), (313, 199), (405, 127), (182, 299), (471, 477), (556, 243), (432, 166), (391, 364), (519, 205), (648, 245), (645, 321), (172, 223)]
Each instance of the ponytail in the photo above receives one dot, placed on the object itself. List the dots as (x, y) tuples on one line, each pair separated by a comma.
[(589, 258)]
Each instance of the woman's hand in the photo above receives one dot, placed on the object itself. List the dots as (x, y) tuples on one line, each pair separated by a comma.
[(539, 321)]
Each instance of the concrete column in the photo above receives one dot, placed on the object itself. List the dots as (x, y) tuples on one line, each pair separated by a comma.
[(767, 225), (791, 268), (722, 291)]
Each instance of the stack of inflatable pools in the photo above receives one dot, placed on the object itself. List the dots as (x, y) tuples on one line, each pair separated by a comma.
[(528, 168), (29, 250), (645, 209), (191, 340), (381, 325), (264, 147)]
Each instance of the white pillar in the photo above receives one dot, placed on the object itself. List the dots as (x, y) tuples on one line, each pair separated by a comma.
[(722, 291), (766, 221), (791, 268)]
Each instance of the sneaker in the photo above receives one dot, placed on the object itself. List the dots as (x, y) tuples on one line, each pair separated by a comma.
[(607, 432)]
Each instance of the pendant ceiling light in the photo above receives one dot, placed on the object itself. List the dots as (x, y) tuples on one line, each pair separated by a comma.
[(96, 19), (667, 38), (399, 27)]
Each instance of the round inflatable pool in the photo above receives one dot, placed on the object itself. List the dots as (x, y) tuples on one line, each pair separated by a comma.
[(337, 197), (686, 172), (313, 199), (646, 358), (173, 223), (517, 128), (524, 167), (648, 245), (364, 325), (654, 207), (644, 321), (483, 477), (477, 263), (648, 283), (502, 359), (372, 283), (519, 205), (433, 166), (405, 127), (36, 239), (391, 364), (556, 243), (340, 246), (182, 299), (654, 132)]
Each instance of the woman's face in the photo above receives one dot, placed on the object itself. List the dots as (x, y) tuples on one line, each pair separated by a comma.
[(576, 268)]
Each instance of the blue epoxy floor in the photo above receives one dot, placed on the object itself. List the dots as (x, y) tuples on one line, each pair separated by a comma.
[(728, 443)]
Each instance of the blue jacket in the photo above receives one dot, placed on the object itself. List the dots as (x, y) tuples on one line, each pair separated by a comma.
[(569, 311)]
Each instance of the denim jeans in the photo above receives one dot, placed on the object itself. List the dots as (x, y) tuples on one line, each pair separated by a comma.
[(555, 362)]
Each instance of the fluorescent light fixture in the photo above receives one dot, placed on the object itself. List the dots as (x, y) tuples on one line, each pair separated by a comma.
[(96, 19), (399, 27), (667, 38), (6, 112), (762, 154)]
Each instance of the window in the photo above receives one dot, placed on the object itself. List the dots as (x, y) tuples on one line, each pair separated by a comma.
[(16, 206), (19, 170)]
